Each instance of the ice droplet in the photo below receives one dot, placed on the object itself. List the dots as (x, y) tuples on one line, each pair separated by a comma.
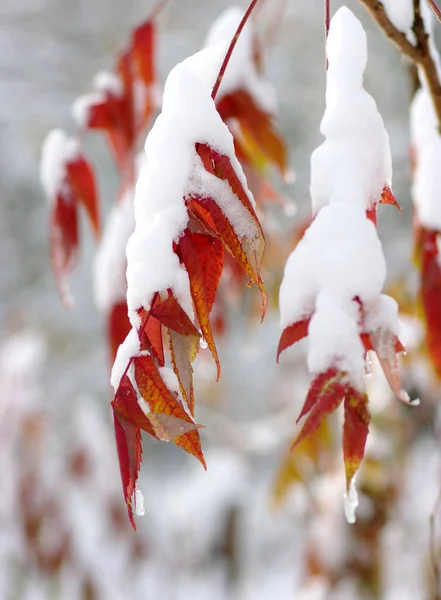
[(350, 502), (139, 503), (368, 366), (203, 343)]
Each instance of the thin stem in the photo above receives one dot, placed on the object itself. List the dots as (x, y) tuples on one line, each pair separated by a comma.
[(435, 8), (157, 9), (327, 10), (432, 545), (418, 54), (231, 48)]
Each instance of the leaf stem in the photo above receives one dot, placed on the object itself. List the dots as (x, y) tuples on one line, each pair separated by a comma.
[(157, 9), (231, 48), (433, 5)]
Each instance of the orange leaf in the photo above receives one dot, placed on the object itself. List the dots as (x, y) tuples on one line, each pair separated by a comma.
[(192, 263), (256, 124), (355, 431), (211, 258), (292, 334), (81, 178), (387, 197)]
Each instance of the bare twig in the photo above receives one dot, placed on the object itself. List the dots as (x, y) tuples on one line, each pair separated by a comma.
[(418, 53), (435, 8), (433, 549)]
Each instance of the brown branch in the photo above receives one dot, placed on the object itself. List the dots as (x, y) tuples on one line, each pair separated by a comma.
[(418, 53)]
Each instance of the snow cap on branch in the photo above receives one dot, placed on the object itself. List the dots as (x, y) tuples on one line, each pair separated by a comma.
[(173, 169), (340, 257)]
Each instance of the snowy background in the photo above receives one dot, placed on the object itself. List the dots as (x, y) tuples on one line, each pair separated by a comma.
[(63, 528)]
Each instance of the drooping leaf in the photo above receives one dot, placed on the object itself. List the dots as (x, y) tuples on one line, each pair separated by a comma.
[(385, 343), (82, 181), (292, 334), (211, 257), (319, 386), (247, 253), (163, 403), (64, 241), (322, 402), (150, 333), (128, 444), (183, 350), (191, 260), (172, 315), (118, 326), (429, 264), (355, 431), (259, 141)]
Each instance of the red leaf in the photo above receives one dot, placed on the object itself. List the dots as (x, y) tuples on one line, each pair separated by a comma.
[(128, 444), (64, 241), (192, 263), (241, 250), (81, 178), (355, 431), (151, 335), (430, 293), (322, 401), (170, 314), (144, 51), (292, 334), (318, 386), (118, 326), (125, 404), (211, 257)]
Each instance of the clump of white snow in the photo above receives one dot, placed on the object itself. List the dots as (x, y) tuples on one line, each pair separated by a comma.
[(110, 262), (426, 142), (340, 258), (58, 149), (172, 170), (104, 83)]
